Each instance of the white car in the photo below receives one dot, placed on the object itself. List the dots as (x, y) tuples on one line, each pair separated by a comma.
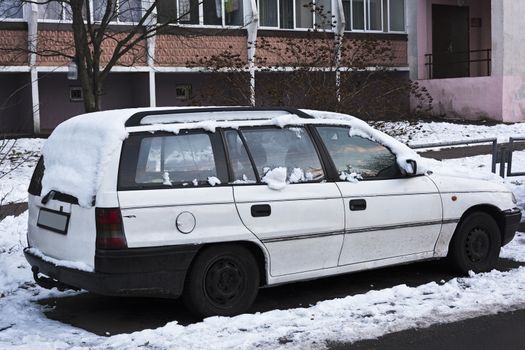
[(212, 203)]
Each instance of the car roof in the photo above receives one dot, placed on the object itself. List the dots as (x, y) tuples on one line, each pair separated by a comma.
[(200, 114)]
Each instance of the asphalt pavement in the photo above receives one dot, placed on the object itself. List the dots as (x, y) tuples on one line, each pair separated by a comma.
[(503, 331)]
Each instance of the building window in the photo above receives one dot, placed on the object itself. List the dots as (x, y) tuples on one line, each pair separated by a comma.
[(54, 11), (12, 9), (291, 14), (396, 15), (124, 11), (374, 15), (214, 12), (183, 92), (76, 94)]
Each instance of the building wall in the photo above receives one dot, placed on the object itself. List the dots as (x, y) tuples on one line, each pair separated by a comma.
[(477, 98), (122, 90), (13, 40), (206, 89), (175, 60), (16, 114), (513, 69), (182, 48), (62, 41)]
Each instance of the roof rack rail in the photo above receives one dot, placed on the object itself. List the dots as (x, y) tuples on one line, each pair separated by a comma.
[(136, 119)]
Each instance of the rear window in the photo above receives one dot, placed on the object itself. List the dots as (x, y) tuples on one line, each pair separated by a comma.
[(35, 186), (170, 160)]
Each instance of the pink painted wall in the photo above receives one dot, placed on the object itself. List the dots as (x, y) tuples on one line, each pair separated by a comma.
[(480, 37), (513, 98), (468, 98)]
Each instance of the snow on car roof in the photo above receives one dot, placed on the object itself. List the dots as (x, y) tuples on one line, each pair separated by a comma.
[(79, 149), (190, 117)]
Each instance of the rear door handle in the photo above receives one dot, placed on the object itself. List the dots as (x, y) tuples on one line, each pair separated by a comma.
[(261, 210), (357, 204)]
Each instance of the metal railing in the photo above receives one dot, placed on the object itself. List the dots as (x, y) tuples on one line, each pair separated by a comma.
[(430, 61), (510, 151), (493, 141)]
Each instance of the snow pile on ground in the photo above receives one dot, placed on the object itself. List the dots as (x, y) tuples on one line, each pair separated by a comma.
[(17, 168), (362, 316), (435, 132)]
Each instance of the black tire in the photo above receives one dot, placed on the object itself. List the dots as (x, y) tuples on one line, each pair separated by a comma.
[(476, 244), (223, 281)]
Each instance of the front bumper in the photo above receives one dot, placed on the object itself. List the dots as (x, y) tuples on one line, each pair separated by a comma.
[(134, 272), (511, 222)]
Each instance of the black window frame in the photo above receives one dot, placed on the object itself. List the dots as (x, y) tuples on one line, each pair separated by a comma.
[(332, 165), (130, 153)]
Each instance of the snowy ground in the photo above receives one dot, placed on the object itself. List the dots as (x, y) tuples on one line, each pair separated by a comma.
[(23, 324), (433, 132), (17, 168)]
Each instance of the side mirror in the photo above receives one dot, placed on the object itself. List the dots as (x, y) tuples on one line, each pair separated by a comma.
[(413, 165)]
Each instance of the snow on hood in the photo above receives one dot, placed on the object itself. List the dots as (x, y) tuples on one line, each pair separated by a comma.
[(77, 151)]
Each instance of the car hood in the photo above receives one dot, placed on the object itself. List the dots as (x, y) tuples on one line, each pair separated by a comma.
[(451, 183)]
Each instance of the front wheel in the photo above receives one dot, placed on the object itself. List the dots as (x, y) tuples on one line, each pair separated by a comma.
[(476, 244), (224, 281)]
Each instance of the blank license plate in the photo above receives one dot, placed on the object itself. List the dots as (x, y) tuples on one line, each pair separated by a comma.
[(53, 220)]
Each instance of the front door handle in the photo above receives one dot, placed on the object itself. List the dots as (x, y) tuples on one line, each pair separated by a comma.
[(261, 210), (357, 204)]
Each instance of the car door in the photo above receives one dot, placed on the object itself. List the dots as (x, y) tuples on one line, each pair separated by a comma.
[(286, 202), (387, 215), (172, 190)]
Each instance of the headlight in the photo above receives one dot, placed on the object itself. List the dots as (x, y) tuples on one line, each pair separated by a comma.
[(514, 200)]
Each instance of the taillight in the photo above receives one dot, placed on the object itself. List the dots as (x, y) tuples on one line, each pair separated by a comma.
[(110, 231)]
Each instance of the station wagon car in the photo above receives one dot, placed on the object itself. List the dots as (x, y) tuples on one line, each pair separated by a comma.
[(213, 203)]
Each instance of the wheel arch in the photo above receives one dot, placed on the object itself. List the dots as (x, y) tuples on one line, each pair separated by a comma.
[(258, 252), (489, 209)]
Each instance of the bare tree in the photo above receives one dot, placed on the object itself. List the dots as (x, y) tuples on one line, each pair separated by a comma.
[(316, 70), (95, 44)]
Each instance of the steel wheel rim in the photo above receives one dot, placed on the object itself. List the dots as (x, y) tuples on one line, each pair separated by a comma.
[(477, 245), (224, 281)]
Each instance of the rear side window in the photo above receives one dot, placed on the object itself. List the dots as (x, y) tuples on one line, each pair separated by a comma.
[(290, 148), (169, 160), (354, 154)]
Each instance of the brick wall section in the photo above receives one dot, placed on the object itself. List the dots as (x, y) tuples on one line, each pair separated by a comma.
[(178, 50), (395, 52), (274, 50), (171, 49), (50, 41), (13, 46), (62, 41), (294, 51)]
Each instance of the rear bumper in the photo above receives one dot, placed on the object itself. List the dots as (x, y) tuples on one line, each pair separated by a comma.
[(134, 272), (511, 221)]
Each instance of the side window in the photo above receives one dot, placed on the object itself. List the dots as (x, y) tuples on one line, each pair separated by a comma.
[(354, 154), (289, 148), (240, 162), (173, 160)]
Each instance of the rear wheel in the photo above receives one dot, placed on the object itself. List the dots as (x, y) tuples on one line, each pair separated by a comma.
[(224, 281), (476, 244)]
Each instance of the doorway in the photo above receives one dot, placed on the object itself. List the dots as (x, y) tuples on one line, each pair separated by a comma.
[(450, 41)]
